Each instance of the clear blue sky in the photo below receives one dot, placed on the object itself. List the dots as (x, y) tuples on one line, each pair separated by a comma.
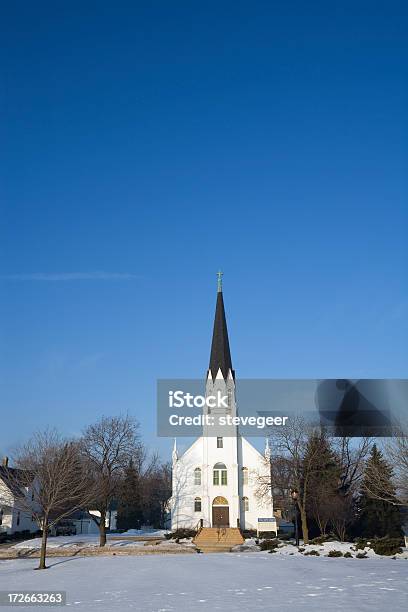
[(147, 144)]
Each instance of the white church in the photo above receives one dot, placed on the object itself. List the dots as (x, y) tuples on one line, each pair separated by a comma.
[(215, 481)]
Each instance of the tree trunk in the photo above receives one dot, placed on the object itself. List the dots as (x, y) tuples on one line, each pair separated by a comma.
[(102, 529), (305, 529), (44, 544)]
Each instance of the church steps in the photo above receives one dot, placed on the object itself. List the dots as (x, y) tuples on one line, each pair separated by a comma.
[(212, 539)]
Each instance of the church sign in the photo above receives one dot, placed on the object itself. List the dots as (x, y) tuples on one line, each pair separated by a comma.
[(267, 524)]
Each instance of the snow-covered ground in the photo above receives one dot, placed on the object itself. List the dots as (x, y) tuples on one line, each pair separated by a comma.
[(228, 582), (85, 541)]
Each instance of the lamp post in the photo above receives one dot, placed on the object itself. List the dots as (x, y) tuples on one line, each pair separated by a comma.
[(294, 496)]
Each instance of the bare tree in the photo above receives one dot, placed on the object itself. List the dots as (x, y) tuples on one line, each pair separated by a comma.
[(279, 477), (394, 488), (292, 465), (351, 455), (107, 447), (322, 502), (51, 479), (396, 450), (341, 514), (296, 465)]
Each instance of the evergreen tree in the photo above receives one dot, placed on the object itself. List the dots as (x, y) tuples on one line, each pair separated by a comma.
[(378, 517), (323, 473), (130, 513)]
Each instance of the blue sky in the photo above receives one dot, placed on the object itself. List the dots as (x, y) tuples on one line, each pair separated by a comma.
[(146, 145)]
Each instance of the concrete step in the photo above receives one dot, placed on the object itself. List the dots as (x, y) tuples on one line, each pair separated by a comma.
[(230, 541)]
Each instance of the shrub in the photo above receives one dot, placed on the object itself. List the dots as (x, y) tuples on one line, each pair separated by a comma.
[(361, 543), (387, 546), (301, 549), (335, 553), (268, 535), (362, 555), (180, 534), (323, 538), (269, 544), (312, 553), (249, 533), (348, 555)]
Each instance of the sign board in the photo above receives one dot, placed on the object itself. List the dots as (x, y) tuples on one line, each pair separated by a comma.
[(267, 524)]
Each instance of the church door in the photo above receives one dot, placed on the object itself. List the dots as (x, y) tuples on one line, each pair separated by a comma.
[(220, 516)]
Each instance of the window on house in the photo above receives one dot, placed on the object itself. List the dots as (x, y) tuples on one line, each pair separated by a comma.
[(245, 501), (18, 519), (244, 475), (220, 443), (1, 516), (197, 476), (220, 474), (197, 504)]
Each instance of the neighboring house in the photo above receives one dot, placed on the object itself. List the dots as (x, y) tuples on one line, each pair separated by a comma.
[(85, 523), (14, 487), (79, 522), (215, 481), (110, 519)]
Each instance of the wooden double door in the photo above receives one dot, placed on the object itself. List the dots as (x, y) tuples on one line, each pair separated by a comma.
[(220, 516)]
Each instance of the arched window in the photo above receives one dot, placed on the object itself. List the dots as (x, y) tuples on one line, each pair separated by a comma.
[(245, 502), (220, 501), (244, 475), (197, 504), (197, 476), (220, 474)]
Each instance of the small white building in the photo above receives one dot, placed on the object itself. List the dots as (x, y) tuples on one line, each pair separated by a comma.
[(13, 488), (215, 481), (110, 518)]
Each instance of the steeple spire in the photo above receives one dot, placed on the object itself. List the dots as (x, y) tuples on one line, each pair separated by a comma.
[(220, 358), (219, 275)]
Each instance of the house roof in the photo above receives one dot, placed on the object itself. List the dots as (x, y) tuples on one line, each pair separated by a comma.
[(14, 479)]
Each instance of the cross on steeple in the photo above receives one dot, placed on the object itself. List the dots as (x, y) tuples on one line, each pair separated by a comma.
[(219, 277)]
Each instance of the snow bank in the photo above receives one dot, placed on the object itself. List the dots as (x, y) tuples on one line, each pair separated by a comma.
[(144, 532), (249, 545), (325, 548)]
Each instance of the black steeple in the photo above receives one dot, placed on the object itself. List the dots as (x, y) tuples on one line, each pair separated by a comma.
[(220, 351)]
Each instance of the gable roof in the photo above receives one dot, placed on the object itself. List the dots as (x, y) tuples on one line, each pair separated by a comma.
[(14, 479)]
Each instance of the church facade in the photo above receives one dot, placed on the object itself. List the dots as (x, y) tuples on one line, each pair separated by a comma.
[(215, 482)]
